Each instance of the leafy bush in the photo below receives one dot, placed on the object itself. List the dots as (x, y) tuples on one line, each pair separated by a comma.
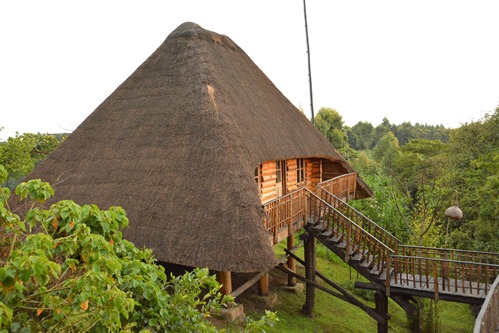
[(67, 268)]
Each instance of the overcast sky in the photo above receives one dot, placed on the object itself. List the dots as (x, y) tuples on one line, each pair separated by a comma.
[(434, 62)]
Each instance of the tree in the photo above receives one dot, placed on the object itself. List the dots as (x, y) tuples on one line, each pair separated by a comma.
[(330, 123), (68, 269), (360, 136), (21, 153), (386, 150), (472, 169)]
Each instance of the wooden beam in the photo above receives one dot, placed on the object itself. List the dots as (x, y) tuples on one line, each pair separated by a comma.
[(369, 286), (247, 284), (315, 284), (347, 296), (364, 307), (258, 276), (225, 279)]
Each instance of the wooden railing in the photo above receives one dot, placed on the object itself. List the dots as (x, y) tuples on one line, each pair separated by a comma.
[(286, 215), (370, 226), (343, 186), (437, 270), (449, 254), (443, 275), (352, 237), (487, 320)]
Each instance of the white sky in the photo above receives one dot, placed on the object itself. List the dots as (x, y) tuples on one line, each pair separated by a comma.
[(426, 61)]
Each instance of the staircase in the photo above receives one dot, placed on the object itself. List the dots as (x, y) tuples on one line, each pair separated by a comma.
[(360, 242), (399, 271)]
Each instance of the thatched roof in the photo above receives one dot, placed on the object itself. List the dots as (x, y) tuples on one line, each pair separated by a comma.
[(176, 145)]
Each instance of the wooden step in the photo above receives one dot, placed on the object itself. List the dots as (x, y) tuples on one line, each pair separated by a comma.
[(316, 229), (356, 256), (382, 276), (368, 260), (374, 271)]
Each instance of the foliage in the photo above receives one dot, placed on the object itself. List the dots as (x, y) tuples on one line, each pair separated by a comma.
[(472, 168), (364, 135), (330, 123), (361, 135), (414, 184), (67, 268), (21, 153), (386, 150)]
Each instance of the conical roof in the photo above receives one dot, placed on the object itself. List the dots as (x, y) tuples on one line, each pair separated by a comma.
[(176, 145)]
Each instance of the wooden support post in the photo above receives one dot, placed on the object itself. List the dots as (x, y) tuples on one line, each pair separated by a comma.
[(225, 279), (291, 261), (264, 285), (381, 301), (310, 264)]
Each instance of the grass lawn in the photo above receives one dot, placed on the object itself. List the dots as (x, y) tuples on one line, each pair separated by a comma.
[(334, 315)]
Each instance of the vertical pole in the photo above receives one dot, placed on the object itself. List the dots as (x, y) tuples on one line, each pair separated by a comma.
[(291, 260), (264, 285), (309, 67), (310, 262), (225, 279), (381, 301)]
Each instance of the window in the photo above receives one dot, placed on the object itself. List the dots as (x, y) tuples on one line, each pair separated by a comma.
[(257, 174), (278, 171), (300, 171)]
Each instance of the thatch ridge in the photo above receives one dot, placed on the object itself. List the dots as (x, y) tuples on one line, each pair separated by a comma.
[(176, 145)]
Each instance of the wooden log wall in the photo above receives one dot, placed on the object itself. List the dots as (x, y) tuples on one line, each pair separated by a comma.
[(316, 173), (309, 164), (313, 175), (331, 169), (268, 189), (291, 175)]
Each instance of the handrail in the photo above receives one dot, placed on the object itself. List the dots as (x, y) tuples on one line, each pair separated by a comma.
[(386, 237), (487, 320), (346, 217), (285, 215), (347, 190), (448, 249), (468, 277), (283, 196), (446, 260), (355, 239), (453, 254)]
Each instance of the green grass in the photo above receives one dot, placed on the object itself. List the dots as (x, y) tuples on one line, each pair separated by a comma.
[(334, 315)]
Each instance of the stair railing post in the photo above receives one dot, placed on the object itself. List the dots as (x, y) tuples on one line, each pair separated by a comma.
[(349, 234), (388, 275)]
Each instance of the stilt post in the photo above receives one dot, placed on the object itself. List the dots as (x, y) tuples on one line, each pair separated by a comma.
[(264, 285), (310, 265), (225, 279), (381, 301), (291, 261)]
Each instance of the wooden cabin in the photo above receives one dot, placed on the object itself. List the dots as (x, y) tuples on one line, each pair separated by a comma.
[(192, 145)]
